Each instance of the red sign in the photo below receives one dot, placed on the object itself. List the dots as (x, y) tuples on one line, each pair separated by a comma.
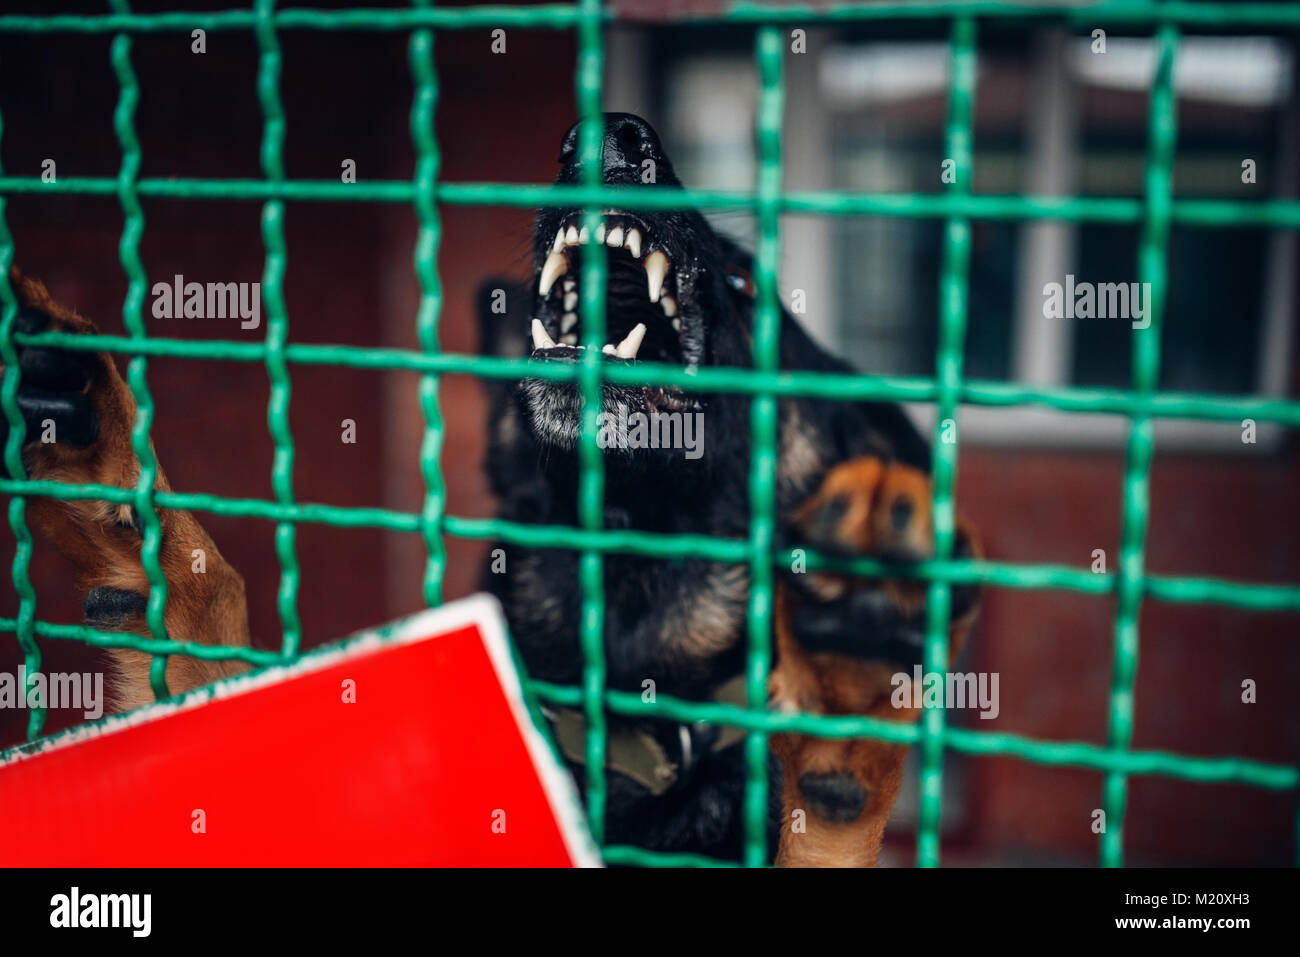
[(409, 745)]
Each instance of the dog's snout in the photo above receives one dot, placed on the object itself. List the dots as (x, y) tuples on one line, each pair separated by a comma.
[(631, 152)]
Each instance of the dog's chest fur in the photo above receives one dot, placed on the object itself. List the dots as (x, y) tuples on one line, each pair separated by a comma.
[(697, 608)]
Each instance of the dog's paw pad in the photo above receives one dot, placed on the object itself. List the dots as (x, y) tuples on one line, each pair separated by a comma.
[(836, 797), (108, 607)]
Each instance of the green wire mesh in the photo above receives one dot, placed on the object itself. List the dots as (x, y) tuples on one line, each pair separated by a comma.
[(1143, 403)]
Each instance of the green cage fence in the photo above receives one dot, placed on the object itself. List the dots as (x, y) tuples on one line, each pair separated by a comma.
[(957, 207)]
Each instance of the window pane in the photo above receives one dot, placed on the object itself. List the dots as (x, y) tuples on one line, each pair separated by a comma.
[(1231, 95)]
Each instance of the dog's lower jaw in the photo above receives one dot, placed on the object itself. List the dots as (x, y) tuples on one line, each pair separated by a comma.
[(552, 412)]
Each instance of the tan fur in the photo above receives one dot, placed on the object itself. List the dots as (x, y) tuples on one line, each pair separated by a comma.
[(801, 460), (840, 685), (705, 624), (97, 536)]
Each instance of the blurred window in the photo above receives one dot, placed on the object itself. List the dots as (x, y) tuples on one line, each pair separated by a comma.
[(1052, 118)]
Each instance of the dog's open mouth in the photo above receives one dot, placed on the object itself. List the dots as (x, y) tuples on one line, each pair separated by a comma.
[(649, 300)]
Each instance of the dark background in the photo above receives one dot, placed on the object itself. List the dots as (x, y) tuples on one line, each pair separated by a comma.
[(350, 280)]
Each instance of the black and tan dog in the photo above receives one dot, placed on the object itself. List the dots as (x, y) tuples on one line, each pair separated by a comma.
[(678, 293)]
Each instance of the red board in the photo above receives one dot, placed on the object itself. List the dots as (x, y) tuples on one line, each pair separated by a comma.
[(435, 763)]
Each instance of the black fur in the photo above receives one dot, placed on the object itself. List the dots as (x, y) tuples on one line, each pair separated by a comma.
[(679, 623)]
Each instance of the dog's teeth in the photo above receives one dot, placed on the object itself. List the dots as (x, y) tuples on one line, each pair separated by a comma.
[(614, 237), (633, 243), (568, 321), (570, 340), (540, 339), (669, 305), (628, 347), (600, 234), (677, 325), (559, 240), (656, 269), (570, 301), (584, 236), (571, 236), (556, 266), (570, 285), (608, 350)]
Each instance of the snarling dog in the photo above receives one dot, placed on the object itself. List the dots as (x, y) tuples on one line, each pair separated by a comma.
[(837, 794), (678, 293)]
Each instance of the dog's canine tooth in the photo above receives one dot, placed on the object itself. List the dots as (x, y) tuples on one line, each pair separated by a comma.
[(633, 243), (568, 321), (540, 338), (556, 266), (559, 240), (656, 269), (570, 301), (669, 305), (571, 236), (614, 237), (627, 349)]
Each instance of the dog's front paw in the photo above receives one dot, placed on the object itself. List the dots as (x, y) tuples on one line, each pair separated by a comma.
[(869, 507), (78, 411), (79, 416)]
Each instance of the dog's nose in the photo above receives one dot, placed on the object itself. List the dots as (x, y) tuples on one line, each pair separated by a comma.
[(629, 143), (631, 152)]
